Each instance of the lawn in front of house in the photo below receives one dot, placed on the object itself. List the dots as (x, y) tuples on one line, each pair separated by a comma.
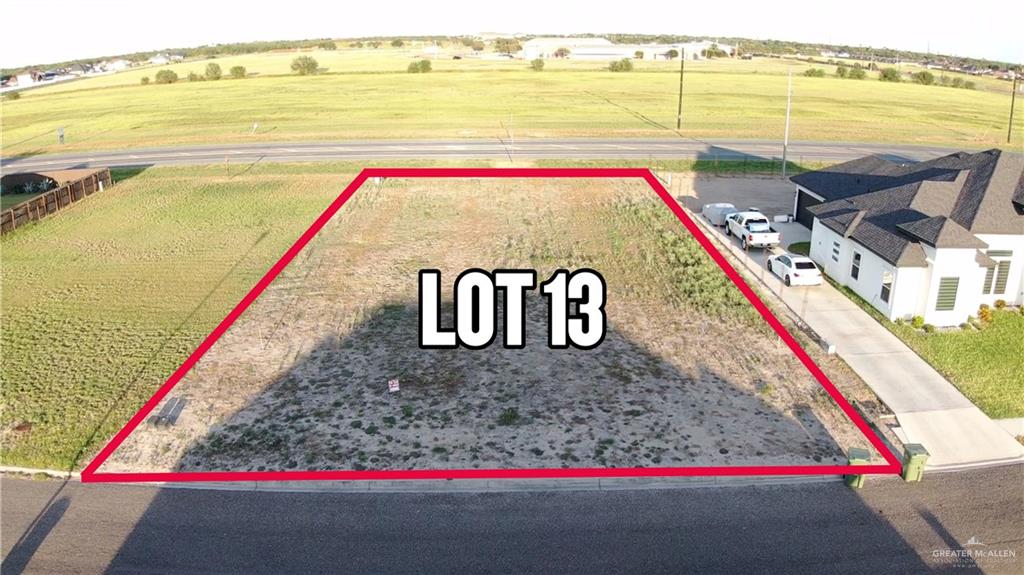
[(986, 365)]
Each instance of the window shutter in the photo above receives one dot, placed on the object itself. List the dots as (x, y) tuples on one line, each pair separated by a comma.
[(947, 294), (1002, 274), (990, 272)]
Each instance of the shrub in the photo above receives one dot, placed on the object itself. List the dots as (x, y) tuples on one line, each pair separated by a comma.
[(193, 77), (562, 53), (421, 67), (478, 46), (968, 85), (856, 73), (623, 65), (1000, 303), (672, 54), (12, 96), (639, 54), (397, 43), (327, 45), (237, 72), (166, 77), (509, 417), (537, 65), (373, 43), (965, 326), (929, 328), (957, 82), (842, 71), (917, 322), (213, 71), (985, 313), (305, 66), (889, 75), (814, 73), (924, 77), (145, 80), (356, 44)]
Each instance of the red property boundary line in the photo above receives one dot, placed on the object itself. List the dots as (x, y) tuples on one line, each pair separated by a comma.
[(892, 465)]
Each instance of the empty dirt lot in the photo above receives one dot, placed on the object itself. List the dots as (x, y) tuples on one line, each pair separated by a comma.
[(687, 375)]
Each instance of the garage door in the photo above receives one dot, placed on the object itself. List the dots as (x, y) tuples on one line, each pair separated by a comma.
[(804, 201)]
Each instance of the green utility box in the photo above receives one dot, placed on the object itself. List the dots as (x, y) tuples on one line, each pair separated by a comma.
[(914, 458), (857, 456)]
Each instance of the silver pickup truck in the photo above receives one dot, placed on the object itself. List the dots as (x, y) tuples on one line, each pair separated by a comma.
[(753, 230)]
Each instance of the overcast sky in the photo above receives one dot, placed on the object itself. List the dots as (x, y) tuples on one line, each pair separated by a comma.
[(43, 31)]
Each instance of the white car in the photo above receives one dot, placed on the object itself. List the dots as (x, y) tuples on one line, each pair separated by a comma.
[(795, 269)]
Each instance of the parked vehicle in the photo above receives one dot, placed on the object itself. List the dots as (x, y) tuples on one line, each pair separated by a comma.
[(794, 269), (716, 213), (753, 230)]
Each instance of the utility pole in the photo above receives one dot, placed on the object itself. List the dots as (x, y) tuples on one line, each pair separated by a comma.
[(1013, 101), (682, 69), (785, 137)]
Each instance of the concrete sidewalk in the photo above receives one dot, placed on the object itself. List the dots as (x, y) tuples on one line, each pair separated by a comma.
[(930, 410)]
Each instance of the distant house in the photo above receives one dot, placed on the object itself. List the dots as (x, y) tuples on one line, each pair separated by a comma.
[(934, 239), (603, 49), (160, 60), (117, 65)]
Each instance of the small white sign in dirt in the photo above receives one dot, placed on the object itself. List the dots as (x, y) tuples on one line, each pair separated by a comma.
[(392, 385)]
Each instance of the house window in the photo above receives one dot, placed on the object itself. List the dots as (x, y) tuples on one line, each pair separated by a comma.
[(996, 276), (855, 269), (947, 294), (886, 286), (835, 251)]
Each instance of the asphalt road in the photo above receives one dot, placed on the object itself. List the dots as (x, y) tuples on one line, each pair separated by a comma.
[(890, 527), (637, 149)]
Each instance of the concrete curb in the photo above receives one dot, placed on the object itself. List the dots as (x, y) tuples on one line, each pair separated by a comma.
[(10, 469), (463, 485), (499, 485)]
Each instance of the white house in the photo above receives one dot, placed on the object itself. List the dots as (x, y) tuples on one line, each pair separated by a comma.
[(934, 239)]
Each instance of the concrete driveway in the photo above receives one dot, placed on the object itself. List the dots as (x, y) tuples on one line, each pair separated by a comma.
[(930, 410)]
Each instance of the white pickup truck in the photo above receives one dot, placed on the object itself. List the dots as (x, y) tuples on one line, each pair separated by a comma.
[(753, 230)]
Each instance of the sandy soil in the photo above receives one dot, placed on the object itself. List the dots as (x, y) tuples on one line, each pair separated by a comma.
[(300, 381)]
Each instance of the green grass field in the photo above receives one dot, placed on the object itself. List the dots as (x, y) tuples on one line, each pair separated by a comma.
[(104, 300), (367, 94)]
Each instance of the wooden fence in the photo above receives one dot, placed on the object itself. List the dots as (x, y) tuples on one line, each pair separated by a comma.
[(54, 200)]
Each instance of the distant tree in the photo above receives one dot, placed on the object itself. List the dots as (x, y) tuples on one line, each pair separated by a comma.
[(924, 77), (305, 65), (507, 46), (327, 45), (537, 64), (166, 77), (145, 81), (713, 51), (356, 44), (238, 72), (889, 75), (968, 85), (857, 73), (373, 43), (623, 65), (213, 71), (396, 43), (477, 45), (562, 53), (639, 54), (672, 54), (193, 77), (842, 70), (814, 73), (421, 67), (957, 82)]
